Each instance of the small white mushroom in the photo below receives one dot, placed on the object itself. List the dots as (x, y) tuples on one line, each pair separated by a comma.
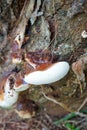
[(8, 96), (16, 61), (52, 74), (84, 34), (10, 86)]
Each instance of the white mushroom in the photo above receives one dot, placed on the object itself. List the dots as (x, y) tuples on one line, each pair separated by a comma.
[(52, 74), (16, 60), (8, 96), (10, 86), (84, 34)]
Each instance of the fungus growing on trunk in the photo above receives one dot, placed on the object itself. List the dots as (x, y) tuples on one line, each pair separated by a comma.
[(39, 68), (10, 86), (8, 96), (52, 73)]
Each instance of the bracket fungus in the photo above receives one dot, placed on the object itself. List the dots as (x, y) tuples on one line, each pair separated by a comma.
[(12, 84), (8, 96), (46, 69), (10, 87), (49, 75)]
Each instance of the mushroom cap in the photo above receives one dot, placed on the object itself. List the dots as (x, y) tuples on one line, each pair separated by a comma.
[(8, 96), (52, 74), (84, 34)]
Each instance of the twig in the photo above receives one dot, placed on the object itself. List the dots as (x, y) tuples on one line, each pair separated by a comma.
[(83, 103), (80, 114), (72, 121), (59, 103)]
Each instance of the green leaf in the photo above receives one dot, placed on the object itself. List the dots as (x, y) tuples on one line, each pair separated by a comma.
[(77, 128), (70, 126), (68, 117)]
